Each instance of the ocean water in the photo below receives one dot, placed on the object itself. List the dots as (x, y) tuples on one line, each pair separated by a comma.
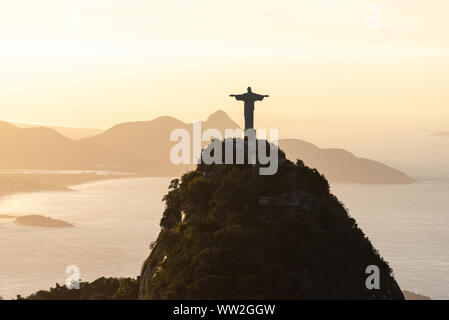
[(409, 225), (43, 171), (116, 220)]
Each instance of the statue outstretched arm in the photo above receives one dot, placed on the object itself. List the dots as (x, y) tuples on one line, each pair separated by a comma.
[(260, 97), (237, 96)]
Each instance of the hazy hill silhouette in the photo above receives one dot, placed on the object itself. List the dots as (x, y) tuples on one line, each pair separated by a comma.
[(37, 147), (144, 147), (341, 165), (69, 132)]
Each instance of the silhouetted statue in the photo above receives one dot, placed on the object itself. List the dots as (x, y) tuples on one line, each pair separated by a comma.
[(249, 99)]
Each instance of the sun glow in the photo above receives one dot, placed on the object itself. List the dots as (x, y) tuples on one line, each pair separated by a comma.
[(97, 63)]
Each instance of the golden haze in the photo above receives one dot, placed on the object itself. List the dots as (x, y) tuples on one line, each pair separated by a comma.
[(326, 72)]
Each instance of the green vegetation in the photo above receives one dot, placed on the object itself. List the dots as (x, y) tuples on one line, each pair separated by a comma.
[(220, 241), (100, 289)]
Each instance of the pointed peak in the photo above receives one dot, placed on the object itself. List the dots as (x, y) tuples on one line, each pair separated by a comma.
[(220, 120), (220, 115)]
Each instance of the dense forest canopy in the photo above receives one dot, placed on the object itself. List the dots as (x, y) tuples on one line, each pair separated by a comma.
[(230, 233), (100, 289)]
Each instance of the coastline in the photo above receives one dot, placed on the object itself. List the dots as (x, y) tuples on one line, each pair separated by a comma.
[(13, 183)]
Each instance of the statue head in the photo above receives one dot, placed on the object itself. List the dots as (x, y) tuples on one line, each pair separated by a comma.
[(249, 89)]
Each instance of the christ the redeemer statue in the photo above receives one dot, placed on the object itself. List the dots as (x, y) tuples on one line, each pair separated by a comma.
[(249, 98)]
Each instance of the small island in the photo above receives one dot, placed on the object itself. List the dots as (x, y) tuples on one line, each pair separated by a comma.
[(41, 221)]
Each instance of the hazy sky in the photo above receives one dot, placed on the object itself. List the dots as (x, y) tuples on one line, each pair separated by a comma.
[(330, 66)]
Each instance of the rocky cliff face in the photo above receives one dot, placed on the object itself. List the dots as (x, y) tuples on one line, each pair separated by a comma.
[(230, 233)]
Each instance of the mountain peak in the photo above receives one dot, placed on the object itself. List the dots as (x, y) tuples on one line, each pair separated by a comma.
[(230, 233), (220, 119), (220, 114)]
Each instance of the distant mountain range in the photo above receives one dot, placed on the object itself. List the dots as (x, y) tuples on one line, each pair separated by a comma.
[(341, 165), (71, 133), (144, 148), (441, 134)]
